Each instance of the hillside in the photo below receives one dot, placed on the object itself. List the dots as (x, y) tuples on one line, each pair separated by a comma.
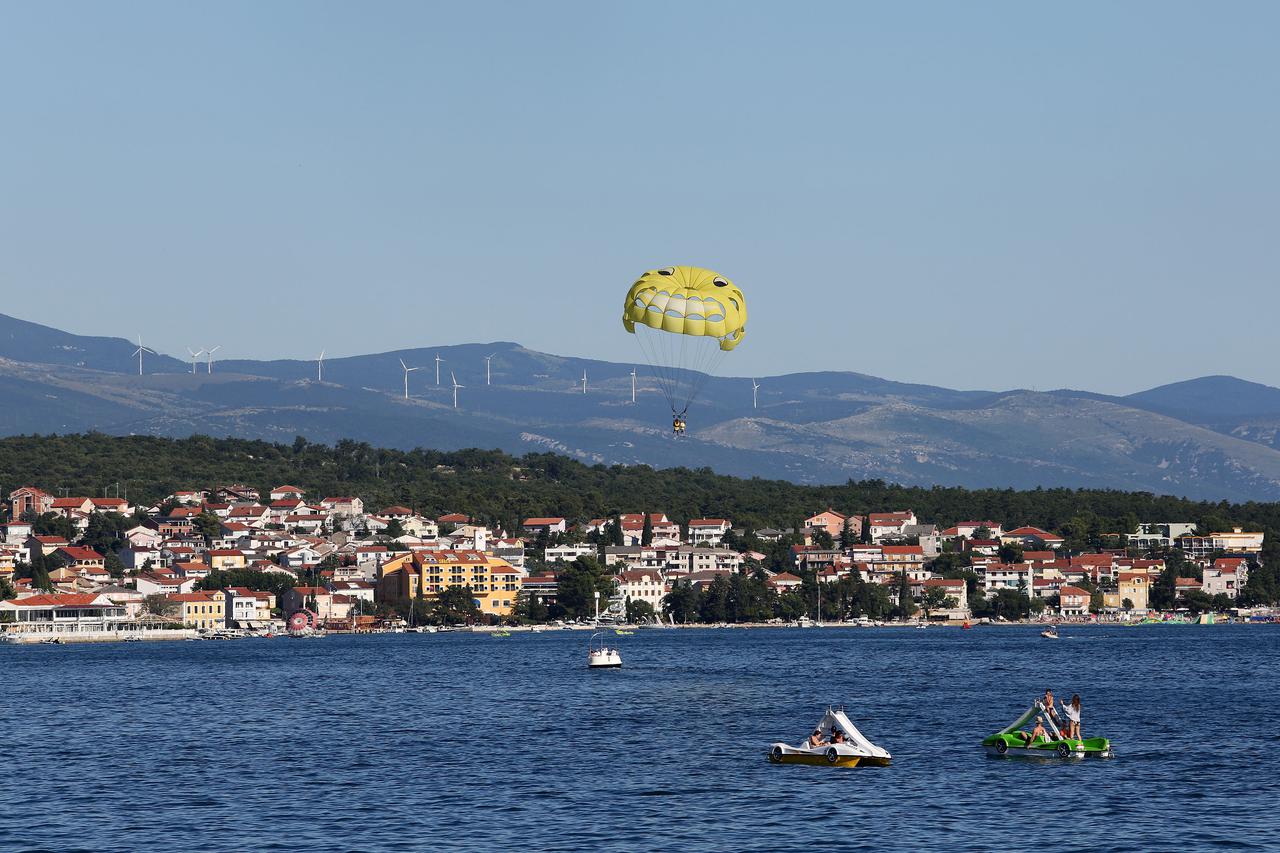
[(824, 427), (497, 487)]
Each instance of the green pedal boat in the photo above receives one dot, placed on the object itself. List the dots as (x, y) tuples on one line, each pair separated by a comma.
[(1012, 742)]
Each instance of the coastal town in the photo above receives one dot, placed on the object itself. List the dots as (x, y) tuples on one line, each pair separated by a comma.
[(235, 558)]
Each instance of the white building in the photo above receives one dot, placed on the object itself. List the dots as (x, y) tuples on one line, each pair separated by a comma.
[(643, 585), (708, 531), (569, 553)]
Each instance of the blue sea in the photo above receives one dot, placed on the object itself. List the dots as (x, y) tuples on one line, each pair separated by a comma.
[(462, 741)]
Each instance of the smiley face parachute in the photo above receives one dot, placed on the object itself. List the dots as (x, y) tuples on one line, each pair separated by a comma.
[(685, 319)]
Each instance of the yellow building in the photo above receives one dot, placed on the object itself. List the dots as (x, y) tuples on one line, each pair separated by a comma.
[(200, 609), (494, 582), (1132, 586), (227, 560)]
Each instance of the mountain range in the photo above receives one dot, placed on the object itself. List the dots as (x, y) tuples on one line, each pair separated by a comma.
[(1215, 437)]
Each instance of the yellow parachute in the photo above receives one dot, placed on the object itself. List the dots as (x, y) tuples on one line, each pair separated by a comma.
[(686, 319)]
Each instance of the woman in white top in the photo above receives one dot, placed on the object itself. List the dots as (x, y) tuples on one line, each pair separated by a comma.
[(1072, 712)]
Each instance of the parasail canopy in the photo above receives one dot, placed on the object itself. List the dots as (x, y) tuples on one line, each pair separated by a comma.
[(685, 319)]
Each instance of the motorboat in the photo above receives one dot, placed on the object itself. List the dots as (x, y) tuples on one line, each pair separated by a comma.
[(602, 656), (503, 633), (1012, 742), (622, 632), (855, 751), (1050, 633)]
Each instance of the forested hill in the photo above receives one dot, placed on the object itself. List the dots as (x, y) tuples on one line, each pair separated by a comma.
[(498, 488)]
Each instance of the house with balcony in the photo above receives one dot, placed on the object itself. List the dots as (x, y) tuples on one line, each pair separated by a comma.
[(1226, 576), (1073, 601), (707, 531), (889, 525)]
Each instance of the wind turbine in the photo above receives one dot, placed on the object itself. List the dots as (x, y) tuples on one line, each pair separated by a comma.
[(209, 353), (755, 386), (139, 351), (194, 355), (633, 384), (407, 371), (584, 382), (456, 386), (487, 359), (320, 367), (438, 360)]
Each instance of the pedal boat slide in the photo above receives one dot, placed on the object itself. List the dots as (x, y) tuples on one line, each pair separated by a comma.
[(856, 751)]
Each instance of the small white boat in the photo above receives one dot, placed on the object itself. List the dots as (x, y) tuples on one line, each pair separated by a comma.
[(1050, 633), (602, 656), (854, 750)]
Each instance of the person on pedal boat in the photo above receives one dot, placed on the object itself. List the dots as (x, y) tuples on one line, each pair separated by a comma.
[(1037, 733), (816, 739)]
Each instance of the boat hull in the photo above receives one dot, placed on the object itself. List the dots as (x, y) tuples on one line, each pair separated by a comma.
[(841, 761), (1011, 746), (830, 755)]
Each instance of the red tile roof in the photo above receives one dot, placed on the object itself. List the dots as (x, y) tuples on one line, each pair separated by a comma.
[(52, 600), (77, 553)]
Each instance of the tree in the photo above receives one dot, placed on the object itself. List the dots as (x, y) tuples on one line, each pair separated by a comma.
[(847, 537), (821, 538), (1164, 592), (6, 590), (40, 576), (208, 525), (394, 529), (715, 599), (906, 607), (576, 586), (159, 605), (113, 565), (682, 603), (1127, 604), (1010, 553), (52, 524), (646, 534), (530, 608), (981, 532), (455, 605), (640, 611), (615, 531), (936, 598)]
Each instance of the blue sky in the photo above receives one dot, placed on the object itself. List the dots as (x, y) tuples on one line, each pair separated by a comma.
[(980, 195)]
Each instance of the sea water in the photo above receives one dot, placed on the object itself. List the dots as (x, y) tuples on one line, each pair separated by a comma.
[(461, 741)]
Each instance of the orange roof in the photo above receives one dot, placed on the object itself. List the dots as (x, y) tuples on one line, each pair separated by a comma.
[(53, 600), (77, 553), (191, 596), (542, 522), (708, 522)]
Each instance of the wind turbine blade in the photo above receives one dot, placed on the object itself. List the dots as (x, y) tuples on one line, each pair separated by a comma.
[(402, 364), (215, 349)]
